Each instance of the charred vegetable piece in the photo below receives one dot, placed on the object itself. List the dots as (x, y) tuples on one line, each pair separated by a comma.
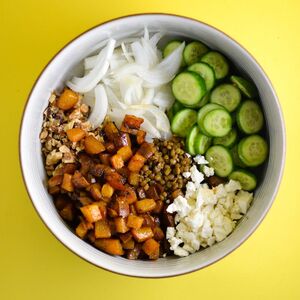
[(67, 183), (91, 213), (67, 99), (79, 181), (125, 152), (128, 195), (117, 161), (95, 190), (136, 162), (135, 222), (120, 224), (110, 246), (92, 145), (115, 180), (142, 234), (110, 130), (151, 248), (107, 190), (75, 134), (145, 205), (102, 229)]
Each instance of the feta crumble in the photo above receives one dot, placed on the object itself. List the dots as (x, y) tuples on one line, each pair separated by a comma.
[(205, 215)]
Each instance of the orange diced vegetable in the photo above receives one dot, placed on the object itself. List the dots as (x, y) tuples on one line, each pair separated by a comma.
[(54, 190), (111, 246), (115, 180), (110, 147), (67, 99), (128, 195), (142, 234), (67, 183), (82, 229), (134, 178), (153, 193), (125, 237), (95, 190), (107, 190), (151, 248), (125, 152), (85, 163), (148, 221), (69, 168), (134, 221), (110, 129), (140, 137), (92, 145), (120, 224), (132, 209), (85, 200), (91, 212), (122, 207), (103, 208), (146, 150), (145, 205), (136, 162), (133, 122), (117, 161), (67, 213), (102, 229), (135, 252), (55, 180), (75, 134), (79, 181), (128, 245), (112, 212), (158, 208), (91, 237), (98, 170), (158, 233), (105, 158)]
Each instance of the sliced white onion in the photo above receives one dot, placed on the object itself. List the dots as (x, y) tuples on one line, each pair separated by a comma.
[(88, 82), (99, 110), (113, 100)]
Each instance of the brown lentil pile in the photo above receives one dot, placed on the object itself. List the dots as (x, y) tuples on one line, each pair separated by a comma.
[(165, 168)]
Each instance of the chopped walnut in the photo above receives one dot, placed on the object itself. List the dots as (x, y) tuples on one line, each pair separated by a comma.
[(68, 158), (53, 158)]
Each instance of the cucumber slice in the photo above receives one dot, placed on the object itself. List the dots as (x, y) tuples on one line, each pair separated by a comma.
[(202, 102), (226, 95), (170, 114), (217, 123), (227, 140), (247, 180), (235, 157), (253, 150), (190, 140), (218, 62), (202, 143), (220, 159), (246, 87), (188, 88), (170, 47), (249, 117), (193, 52), (206, 72), (183, 121), (205, 109)]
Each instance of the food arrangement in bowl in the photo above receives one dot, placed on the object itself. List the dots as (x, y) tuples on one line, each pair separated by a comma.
[(156, 149)]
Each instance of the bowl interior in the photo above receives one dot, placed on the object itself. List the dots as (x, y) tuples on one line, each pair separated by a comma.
[(65, 64)]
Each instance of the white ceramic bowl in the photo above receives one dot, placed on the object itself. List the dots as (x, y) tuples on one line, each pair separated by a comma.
[(60, 68)]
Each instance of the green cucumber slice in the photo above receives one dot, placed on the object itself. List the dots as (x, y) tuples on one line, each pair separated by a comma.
[(246, 87), (188, 88), (206, 72), (205, 109), (190, 140), (202, 143), (227, 140), (177, 106), (170, 47), (247, 179), (183, 121), (249, 117), (217, 123), (220, 159), (235, 157), (218, 62), (226, 95), (202, 102), (193, 52), (253, 150)]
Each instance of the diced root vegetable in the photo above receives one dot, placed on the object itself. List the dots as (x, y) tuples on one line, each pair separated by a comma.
[(128, 195), (158, 208), (102, 208), (145, 205), (120, 224), (67, 183), (105, 158), (135, 222), (79, 181), (82, 228), (151, 248), (125, 152), (55, 181), (146, 150), (92, 145), (75, 134), (67, 213), (117, 161), (126, 237), (102, 229), (135, 252), (140, 137), (129, 245), (110, 246), (67, 99), (115, 180), (134, 178), (158, 234), (107, 190), (121, 139), (95, 190), (131, 124), (122, 207), (142, 234), (110, 129), (91, 213), (136, 163)]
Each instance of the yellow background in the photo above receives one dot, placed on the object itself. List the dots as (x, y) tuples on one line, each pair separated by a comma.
[(34, 265)]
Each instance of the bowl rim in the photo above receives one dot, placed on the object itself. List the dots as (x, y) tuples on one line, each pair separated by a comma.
[(282, 166)]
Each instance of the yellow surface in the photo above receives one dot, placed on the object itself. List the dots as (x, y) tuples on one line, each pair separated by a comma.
[(34, 265)]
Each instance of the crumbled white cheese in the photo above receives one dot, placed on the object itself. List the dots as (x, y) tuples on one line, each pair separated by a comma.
[(200, 160), (186, 174), (205, 216), (208, 171)]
